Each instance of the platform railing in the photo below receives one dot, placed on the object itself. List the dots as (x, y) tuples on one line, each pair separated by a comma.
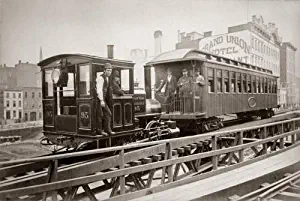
[(227, 147)]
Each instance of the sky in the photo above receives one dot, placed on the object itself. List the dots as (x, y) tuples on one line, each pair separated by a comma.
[(87, 26)]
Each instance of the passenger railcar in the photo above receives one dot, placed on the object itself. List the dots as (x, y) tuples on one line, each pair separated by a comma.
[(69, 103), (232, 87)]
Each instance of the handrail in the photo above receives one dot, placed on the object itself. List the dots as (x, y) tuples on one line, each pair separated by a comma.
[(130, 170), (198, 137)]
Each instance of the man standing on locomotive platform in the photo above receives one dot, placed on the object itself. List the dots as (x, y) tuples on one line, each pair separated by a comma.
[(185, 92), (170, 82), (104, 94)]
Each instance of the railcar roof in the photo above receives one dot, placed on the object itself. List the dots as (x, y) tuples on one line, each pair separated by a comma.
[(83, 58), (194, 54)]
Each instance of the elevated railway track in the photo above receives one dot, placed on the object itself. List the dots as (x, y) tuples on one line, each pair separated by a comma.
[(286, 189), (141, 169)]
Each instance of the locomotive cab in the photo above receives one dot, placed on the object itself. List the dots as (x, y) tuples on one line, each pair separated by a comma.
[(70, 97)]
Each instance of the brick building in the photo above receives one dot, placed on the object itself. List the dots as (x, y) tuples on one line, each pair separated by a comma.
[(24, 79), (255, 43), (32, 103), (12, 104)]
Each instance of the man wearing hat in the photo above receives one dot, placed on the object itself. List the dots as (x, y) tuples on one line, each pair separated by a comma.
[(170, 82), (185, 92), (104, 94), (116, 84)]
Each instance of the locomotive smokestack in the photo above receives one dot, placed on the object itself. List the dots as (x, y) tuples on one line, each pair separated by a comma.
[(110, 51)]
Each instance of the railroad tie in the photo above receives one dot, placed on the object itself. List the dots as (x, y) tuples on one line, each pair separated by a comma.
[(135, 163), (193, 146), (180, 150), (156, 158), (146, 160), (187, 149)]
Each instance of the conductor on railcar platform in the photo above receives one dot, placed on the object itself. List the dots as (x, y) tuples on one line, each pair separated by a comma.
[(185, 92), (104, 94), (170, 82)]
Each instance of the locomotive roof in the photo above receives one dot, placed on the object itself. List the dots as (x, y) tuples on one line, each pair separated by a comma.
[(194, 54), (84, 58)]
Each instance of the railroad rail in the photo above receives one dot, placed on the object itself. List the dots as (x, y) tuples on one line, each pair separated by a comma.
[(140, 169), (286, 189)]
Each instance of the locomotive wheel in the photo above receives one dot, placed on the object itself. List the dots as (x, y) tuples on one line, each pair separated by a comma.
[(154, 129)]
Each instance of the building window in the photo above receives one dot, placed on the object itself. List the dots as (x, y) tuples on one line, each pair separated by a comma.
[(25, 95), (20, 114), (33, 94), (7, 114), (14, 95), (7, 103), (20, 96), (40, 94), (14, 113), (40, 115), (7, 94), (14, 104), (20, 103), (26, 117)]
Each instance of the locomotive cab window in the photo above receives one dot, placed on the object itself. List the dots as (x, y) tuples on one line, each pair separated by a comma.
[(84, 80), (48, 86)]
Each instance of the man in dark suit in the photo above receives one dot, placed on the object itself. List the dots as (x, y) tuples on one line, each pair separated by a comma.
[(171, 84)]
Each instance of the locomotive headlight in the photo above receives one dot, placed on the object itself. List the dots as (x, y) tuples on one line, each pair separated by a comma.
[(55, 75)]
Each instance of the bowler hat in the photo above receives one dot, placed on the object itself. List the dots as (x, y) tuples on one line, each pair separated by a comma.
[(107, 66), (116, 73), (184, 70)]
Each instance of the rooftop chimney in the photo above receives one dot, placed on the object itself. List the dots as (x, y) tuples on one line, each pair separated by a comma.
[(110, 51), (158, 40)]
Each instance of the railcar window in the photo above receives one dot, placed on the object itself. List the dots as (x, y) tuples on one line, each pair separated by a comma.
[(219, 81), (262, 85), (253, 78), (69, 89), (238, 81), (249, 88), (233, 87), (266, 85), (258, 85), (244, 77), (275, 86), (210, 75), (84, 80), (226, 80), (48, 84), (269, 86)]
